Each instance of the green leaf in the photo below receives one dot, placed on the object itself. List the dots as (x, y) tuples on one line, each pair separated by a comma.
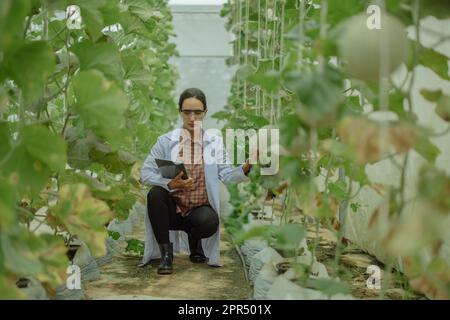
[(55, 36), (7, 203), (356, 172), (101, 56), (110, 12), (338, 190), (255, 232), (72, 177), (4, 138), (78, 152), (396, 99), (83, 216), (101, 105), (135, 245), (12, 16), (8, 287), (221, 115), (443, 108), (92, 16), (426, 148), (20, 65), (339, 10), (245, 71), (133, 25), (143, 9), (135, 69), (31, 163), (114, 234), (289, 236), (434, 186), (46, 146), (26, 173), (269, 81), (435, 61), (18, 256), (320, 94), (431, 95), (114, 161), (437, 8), (355, 206)]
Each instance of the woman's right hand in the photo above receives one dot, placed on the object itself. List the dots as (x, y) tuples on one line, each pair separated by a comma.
[(179, 183)]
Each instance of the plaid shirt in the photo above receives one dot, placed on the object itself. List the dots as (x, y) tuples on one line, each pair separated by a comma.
[(191, 153)]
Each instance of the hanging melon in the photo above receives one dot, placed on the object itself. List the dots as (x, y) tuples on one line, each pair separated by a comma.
[(362, 47)]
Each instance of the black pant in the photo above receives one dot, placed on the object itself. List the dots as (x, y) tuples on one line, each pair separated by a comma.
[(202, 222)]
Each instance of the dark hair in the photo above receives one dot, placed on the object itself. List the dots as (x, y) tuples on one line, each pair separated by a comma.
[(192, 93)]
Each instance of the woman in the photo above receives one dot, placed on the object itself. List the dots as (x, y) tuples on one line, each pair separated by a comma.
[(190, 205)]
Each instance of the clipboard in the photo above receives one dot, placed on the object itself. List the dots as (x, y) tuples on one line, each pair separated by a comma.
[(170, 169)]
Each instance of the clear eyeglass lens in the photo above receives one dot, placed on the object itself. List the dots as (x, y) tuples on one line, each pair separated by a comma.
[(194, 112)]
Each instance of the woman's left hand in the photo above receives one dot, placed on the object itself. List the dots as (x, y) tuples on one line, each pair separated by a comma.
[(254, 156)]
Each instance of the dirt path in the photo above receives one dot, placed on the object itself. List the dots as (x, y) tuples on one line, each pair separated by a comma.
[(121, 279)]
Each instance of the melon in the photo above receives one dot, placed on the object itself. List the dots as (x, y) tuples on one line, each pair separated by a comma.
[(361, 48)]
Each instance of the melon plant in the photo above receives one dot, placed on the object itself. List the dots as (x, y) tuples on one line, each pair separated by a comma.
[(309, 68), (85, 89)]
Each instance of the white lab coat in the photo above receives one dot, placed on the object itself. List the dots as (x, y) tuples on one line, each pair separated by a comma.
[(217, 167)]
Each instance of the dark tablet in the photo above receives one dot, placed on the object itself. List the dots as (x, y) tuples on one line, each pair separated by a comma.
[(170, 169)]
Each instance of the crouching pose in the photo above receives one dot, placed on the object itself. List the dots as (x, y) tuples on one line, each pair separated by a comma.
[(190, 205)]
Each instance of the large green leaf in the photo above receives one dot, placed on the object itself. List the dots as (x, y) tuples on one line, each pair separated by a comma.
[(102, 56), (145, 10), (9, 289), (437, 8), (27, 174), (83, 216), (135, 69), (339, 10), (133, 25), (92, 16), (17, 254), (101, 105), (46, 146), (319, 92), (123, 206), (269, 81), (40, 256), (78, 152), (118, 161), (12, 17), (32, 161), (30, 65)]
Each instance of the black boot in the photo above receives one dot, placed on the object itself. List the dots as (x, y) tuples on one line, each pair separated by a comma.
[(195, 246), (165, 265)]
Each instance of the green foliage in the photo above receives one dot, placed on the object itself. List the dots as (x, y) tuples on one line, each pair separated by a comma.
[(19, 65), (101, 105), (135, 246), (291, 71), (78, 108)]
